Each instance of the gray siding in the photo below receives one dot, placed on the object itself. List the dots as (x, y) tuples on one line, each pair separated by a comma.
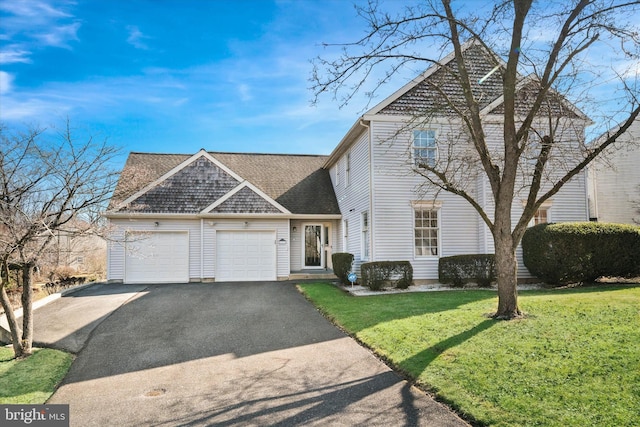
[(202, 239), (354, 198), (116, 250), (615, 180), (395, 186)]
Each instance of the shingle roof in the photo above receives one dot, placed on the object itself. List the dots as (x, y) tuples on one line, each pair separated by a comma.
[(297, 182), (441, 89)]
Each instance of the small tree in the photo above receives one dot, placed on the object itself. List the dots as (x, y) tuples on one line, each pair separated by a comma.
[(550, 43), (46, 184)]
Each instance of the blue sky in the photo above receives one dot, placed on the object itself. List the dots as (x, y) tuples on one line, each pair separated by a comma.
[(178, 75)]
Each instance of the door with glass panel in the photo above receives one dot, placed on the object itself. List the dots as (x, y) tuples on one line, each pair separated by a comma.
[(316, 245)]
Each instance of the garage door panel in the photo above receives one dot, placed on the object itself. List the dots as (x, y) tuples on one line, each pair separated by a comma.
[(157, 257), (245, 255)]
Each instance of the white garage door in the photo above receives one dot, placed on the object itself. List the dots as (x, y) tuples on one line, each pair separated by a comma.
[(245, 256), (157, 257)]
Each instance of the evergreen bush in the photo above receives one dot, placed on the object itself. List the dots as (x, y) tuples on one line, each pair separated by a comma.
[(460, 269), (375, 275), (581, 251), (342, 262)]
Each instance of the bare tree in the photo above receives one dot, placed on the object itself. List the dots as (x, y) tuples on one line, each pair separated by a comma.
[(550, 42), (46, 184)]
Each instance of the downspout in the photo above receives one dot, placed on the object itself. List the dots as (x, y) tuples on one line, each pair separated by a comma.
[(201, 249), (593, 197)]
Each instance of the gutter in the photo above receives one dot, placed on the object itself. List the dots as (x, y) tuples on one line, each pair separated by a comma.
[(345, 143)]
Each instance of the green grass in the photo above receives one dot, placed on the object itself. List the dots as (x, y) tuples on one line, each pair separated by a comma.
[(573, 361), (34, 379)]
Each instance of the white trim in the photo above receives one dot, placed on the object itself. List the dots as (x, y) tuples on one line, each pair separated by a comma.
[(151, 233), (201, 248), (423, 76), (414, 147), (431, 205), (365, 246), (201, 153), (323, 259), (532, 78), (546, 205), (234, 191), (149, 215), (345, 235), (273, 232)]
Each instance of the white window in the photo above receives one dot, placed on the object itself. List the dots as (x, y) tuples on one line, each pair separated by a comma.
[(347, 173), (425, 147), (542, 215), (365, 236), (426, 226)]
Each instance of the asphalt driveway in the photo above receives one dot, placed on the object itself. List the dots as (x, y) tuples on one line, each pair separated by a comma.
[(222, 354)]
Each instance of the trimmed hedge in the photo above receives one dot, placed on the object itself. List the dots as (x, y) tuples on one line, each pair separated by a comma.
[(460, 269), (376, 275), (342, 262), (581, 251)]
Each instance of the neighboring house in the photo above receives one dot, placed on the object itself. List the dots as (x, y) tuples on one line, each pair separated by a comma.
[(235, 217), (614, 180), (83, 252)]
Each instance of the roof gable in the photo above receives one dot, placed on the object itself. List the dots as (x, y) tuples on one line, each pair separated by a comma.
[(245, 198), (274, 178), (437, 92), (437, 89), (188, 188)]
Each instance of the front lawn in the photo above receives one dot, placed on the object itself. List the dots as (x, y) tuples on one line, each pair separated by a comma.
[(34, 379), (573, 361)]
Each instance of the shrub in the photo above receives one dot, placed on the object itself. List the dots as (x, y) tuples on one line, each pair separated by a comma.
[(376, 275), (460, 269), (581, 251), (342, 262)]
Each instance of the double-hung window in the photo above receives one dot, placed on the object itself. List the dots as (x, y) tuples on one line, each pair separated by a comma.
[(347, 172), (426, 227), (345, 237), (425, 147), (542, 215)]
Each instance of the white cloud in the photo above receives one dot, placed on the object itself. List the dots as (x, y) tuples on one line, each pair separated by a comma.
[(60, 36), (38, 23), (14, 53), (6, 82), (629, 69), (32, 9), (245, 92), (136, 37)]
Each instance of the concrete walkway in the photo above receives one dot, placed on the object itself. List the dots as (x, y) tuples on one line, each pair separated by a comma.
[(225, 354)]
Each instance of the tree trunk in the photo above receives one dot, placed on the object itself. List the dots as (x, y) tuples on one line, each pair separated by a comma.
[(27, 310), (11, 319), (507, 271)]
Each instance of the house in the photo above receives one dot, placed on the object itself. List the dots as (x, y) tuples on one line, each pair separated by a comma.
[(74, 250), (221, 216), (236, 217), (614, 180)]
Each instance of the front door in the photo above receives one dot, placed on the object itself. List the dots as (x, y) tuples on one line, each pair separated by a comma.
[(316, 245)]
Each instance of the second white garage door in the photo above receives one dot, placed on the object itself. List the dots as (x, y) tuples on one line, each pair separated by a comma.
[(245, 256)]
